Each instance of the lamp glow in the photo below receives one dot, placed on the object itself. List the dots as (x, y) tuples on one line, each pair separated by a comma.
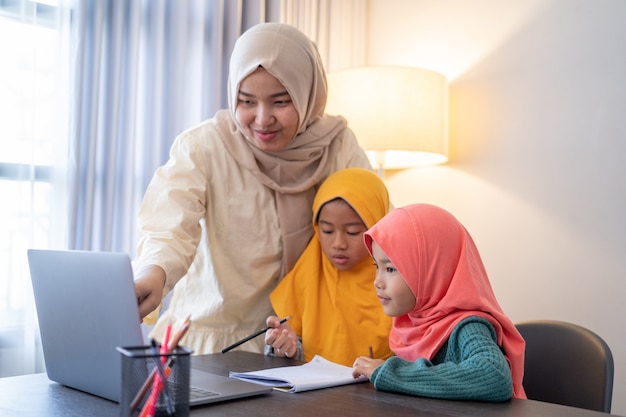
[(398, 114)]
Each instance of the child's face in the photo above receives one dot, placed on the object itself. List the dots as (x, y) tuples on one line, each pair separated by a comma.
[(341, 235), (391, 288)]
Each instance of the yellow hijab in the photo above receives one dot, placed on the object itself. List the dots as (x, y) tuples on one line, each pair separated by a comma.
[(337, 313)]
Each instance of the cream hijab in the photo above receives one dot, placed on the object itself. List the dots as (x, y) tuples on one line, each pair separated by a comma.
[(294, 171), (440, 263), (336, 313)]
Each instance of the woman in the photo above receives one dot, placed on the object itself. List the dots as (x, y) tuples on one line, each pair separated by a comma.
[(229, 214)]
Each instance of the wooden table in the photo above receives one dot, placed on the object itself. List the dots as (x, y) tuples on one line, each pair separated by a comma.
[(36, 396)]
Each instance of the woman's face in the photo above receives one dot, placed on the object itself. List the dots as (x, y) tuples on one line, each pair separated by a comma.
[(265, 111)]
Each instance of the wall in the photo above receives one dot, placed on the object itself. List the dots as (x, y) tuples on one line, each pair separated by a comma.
[(537, 141)]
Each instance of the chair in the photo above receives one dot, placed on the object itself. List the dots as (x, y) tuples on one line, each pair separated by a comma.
[(567, 364)]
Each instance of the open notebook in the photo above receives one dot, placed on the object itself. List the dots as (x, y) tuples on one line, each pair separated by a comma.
[(315, 374), (86, 307)]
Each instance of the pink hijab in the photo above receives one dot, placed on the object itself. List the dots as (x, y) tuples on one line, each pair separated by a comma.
[(441, 265)]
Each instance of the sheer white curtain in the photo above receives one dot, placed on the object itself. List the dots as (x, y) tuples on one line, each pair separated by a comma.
[(339, 28), (33, 114), (119, 81)]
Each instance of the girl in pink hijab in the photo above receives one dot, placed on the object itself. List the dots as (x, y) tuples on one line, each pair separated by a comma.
[(450, 337)]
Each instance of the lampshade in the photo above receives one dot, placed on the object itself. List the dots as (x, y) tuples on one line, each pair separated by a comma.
[(398, 114)]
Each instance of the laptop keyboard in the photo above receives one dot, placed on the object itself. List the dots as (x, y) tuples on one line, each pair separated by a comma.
[(195, 392)]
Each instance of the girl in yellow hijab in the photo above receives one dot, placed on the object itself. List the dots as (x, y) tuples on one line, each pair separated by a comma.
[(329, 294)]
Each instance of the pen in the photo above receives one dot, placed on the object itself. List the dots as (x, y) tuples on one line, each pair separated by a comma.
[(252, 336), (371, 352)]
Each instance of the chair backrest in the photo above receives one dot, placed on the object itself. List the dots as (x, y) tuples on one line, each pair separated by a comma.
[(567, 364)]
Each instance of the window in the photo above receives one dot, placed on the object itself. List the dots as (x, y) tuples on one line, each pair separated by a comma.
[(31, 110)]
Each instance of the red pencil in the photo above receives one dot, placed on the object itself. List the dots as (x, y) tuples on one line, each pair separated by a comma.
[(173, 344), (150, 406)]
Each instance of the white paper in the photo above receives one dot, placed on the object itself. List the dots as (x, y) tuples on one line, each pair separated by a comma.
[(316, 374)]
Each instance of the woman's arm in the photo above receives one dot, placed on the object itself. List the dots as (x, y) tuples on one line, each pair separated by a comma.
[(169, 217)]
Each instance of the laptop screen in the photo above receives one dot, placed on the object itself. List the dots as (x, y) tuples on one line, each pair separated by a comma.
[(86, 307)]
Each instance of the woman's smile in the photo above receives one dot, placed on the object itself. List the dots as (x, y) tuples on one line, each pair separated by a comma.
[(265, 135)]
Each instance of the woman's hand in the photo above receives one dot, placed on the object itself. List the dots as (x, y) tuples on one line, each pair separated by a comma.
[(149, 283), (281, 337), (364, 366)]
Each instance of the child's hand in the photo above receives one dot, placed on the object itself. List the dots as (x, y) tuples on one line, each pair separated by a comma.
[(364, 366), (281, 337)]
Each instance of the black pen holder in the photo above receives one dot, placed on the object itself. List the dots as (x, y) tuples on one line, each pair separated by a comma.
[(142, 371)]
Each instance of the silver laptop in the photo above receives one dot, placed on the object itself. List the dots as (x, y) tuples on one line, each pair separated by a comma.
[(86, 307)]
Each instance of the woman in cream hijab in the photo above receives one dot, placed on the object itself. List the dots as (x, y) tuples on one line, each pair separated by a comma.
[(329, 294), (229, 214)]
